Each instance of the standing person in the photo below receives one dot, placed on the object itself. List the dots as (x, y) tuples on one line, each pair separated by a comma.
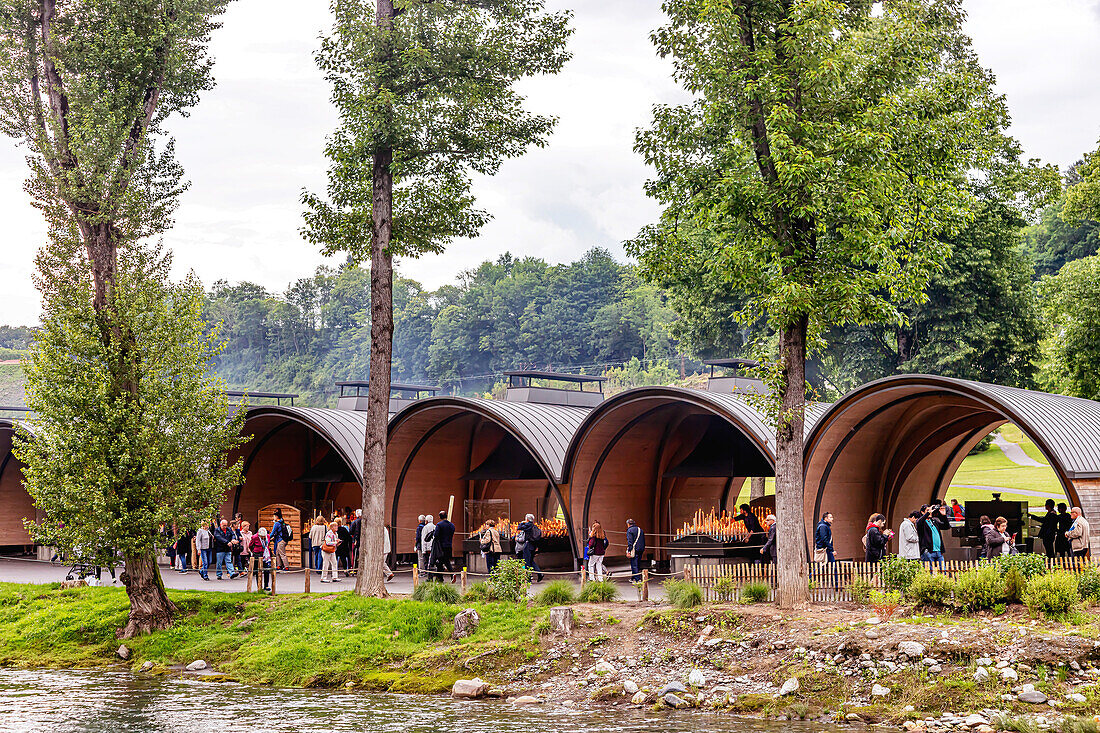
[(757, 534), (420, 524), (183, 549), (1078, 533), (823, 539), (992, 540), (877, 538), (597, 547), (387, 548), (1048, 528), (1001, 525), (908, 538), (316, 539), (356, 530), (343, 552), (770, 550), (930, 527), (441, 549), (958, 513), (489, 543), (260, 549), (1065, 521), (278, 538), (224, 540), (427, 545), (246, 545), (328, 552), (635, 549), (204, 541), (528, 535)]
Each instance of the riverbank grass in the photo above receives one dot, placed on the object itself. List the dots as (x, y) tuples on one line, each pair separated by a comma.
[(290, 640)]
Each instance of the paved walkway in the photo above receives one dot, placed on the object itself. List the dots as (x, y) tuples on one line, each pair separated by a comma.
[(1015, 453)]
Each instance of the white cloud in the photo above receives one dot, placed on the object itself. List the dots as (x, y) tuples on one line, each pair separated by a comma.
[(256, 141)]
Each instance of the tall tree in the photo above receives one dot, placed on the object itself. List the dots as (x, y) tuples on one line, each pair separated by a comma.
[(426, 94), (87, 85), (1071, 311), (826, 147), (1083, 196)]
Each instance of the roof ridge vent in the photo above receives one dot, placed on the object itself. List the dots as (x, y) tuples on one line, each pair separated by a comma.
[(353, 395), (554, 388), (735, 377)]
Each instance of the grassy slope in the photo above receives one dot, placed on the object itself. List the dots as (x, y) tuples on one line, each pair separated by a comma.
[(11, 384), (992, 468), (291, 640)]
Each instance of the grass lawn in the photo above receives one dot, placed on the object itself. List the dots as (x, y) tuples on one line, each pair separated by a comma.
[(993, 468), (289, 640)]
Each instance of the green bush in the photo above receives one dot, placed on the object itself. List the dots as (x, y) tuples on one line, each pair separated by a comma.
[(683, 594), (979, 589), (509, 580), (898, 573), (436, 593), (1054, 595), (478, 591), (1029, 565), (556, 593), (756, 592), (599, 591), (931, 591), (1015, 585), (1088, 584), (860, 590)]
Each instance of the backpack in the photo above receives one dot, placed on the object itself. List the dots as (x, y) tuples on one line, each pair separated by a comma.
[(865, 539), (521, 540), (288, 533), (536, 533)]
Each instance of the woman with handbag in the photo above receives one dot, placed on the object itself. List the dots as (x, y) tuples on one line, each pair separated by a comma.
[(490, 545), (328, 554), (260, 550), (597, 548), (823, 539)]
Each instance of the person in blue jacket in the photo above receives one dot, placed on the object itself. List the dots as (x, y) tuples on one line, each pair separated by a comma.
[(635, 549), (823, 536)]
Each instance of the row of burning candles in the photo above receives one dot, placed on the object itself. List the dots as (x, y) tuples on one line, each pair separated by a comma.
[(723, 527), (549, 527)]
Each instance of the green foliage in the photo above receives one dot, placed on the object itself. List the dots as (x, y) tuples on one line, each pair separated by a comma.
[(1073, 724), (932, 591), (107, 470), (755, 592), (898, 573), (430, 592), (1088, 584), (509, 580), (1083, 196), (860, 591), (1028, 564), (725, 589), (1053, 241), (1015, 585), (478, 591), (683, 594), (979, 589), (602, 591), (885, 603), (1054, 595), (557, 593), (1071, 309)]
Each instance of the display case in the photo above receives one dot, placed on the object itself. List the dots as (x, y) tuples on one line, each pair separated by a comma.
[(478, 513), (699, 529)]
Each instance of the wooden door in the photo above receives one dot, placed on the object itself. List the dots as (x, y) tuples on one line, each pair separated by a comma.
[(291, 517)]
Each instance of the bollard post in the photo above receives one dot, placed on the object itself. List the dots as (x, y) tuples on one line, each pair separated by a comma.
[(687, 573), (306, 584), (248, 581), (645, 585), (464, 581), (584, 575), (416, 577), (274, 575)]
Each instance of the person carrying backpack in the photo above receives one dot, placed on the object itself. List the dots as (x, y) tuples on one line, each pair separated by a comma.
[(280, 535), (489, 542), (528, 535), (597, 548)]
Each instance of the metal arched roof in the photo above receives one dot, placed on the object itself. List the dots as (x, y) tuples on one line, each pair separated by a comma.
[(545, 430), (344, 430), (1066, 429), (734, 408)]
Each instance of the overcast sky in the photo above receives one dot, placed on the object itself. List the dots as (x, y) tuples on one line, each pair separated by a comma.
[(253, 143)]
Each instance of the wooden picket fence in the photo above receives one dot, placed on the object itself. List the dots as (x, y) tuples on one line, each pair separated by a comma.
[(829, 582)]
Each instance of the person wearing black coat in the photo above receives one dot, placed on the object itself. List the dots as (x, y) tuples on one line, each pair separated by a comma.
[(343, 549), (441, 547), (752, 524), (929, 532), (1065, 521), (1048, 529), (770, 550), (876, 539)]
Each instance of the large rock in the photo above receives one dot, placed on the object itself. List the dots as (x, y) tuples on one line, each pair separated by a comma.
[(470, 689), (639, 698), (197, 665), (911, 649), (561, 620), (981, 674), (974, 720), (526, 700), (604, 667), (630, 687), (675, 702), (673, 687), (789, 687), (697, 678), (879, 691), (123, 652), (466, 623), (1032, 697), (1008, 674)]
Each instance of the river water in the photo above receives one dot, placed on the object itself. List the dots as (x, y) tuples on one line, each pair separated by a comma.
[(106, 702)]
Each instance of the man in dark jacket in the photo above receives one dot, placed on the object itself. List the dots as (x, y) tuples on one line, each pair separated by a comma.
[(224, 542), (531, 534), (1065, 521), (769, 550), (635, 549), (929, 527), (823, 536), (441, 548), (356, 530), (278, 540), (1048, 530), (752, 524)]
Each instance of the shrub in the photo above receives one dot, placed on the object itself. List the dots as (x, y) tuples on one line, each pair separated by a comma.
[(756, 592), (1088, 584), (898, 573), (932, 591), (683, 594), (860, 590), (886, 603), (509, 580), (557, 593), (1029, 565), (1015, 585), (979, 589), (724, 589), (479, 591), (436, 593), (599, 591), (1054, 595)]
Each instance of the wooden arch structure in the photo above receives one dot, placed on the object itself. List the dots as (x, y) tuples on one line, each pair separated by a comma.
[(895, 444), (15, 503), (477, 449)]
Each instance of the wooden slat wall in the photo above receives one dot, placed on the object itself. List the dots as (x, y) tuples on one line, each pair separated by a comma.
[(292, 517), (830, 581)]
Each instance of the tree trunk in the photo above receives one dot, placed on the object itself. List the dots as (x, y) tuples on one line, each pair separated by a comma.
[(150, 608), (369, 581), (792, 568)]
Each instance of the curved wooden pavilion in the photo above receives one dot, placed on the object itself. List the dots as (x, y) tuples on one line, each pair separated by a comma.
[(15, 502), (477, 449), (895, 444)]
